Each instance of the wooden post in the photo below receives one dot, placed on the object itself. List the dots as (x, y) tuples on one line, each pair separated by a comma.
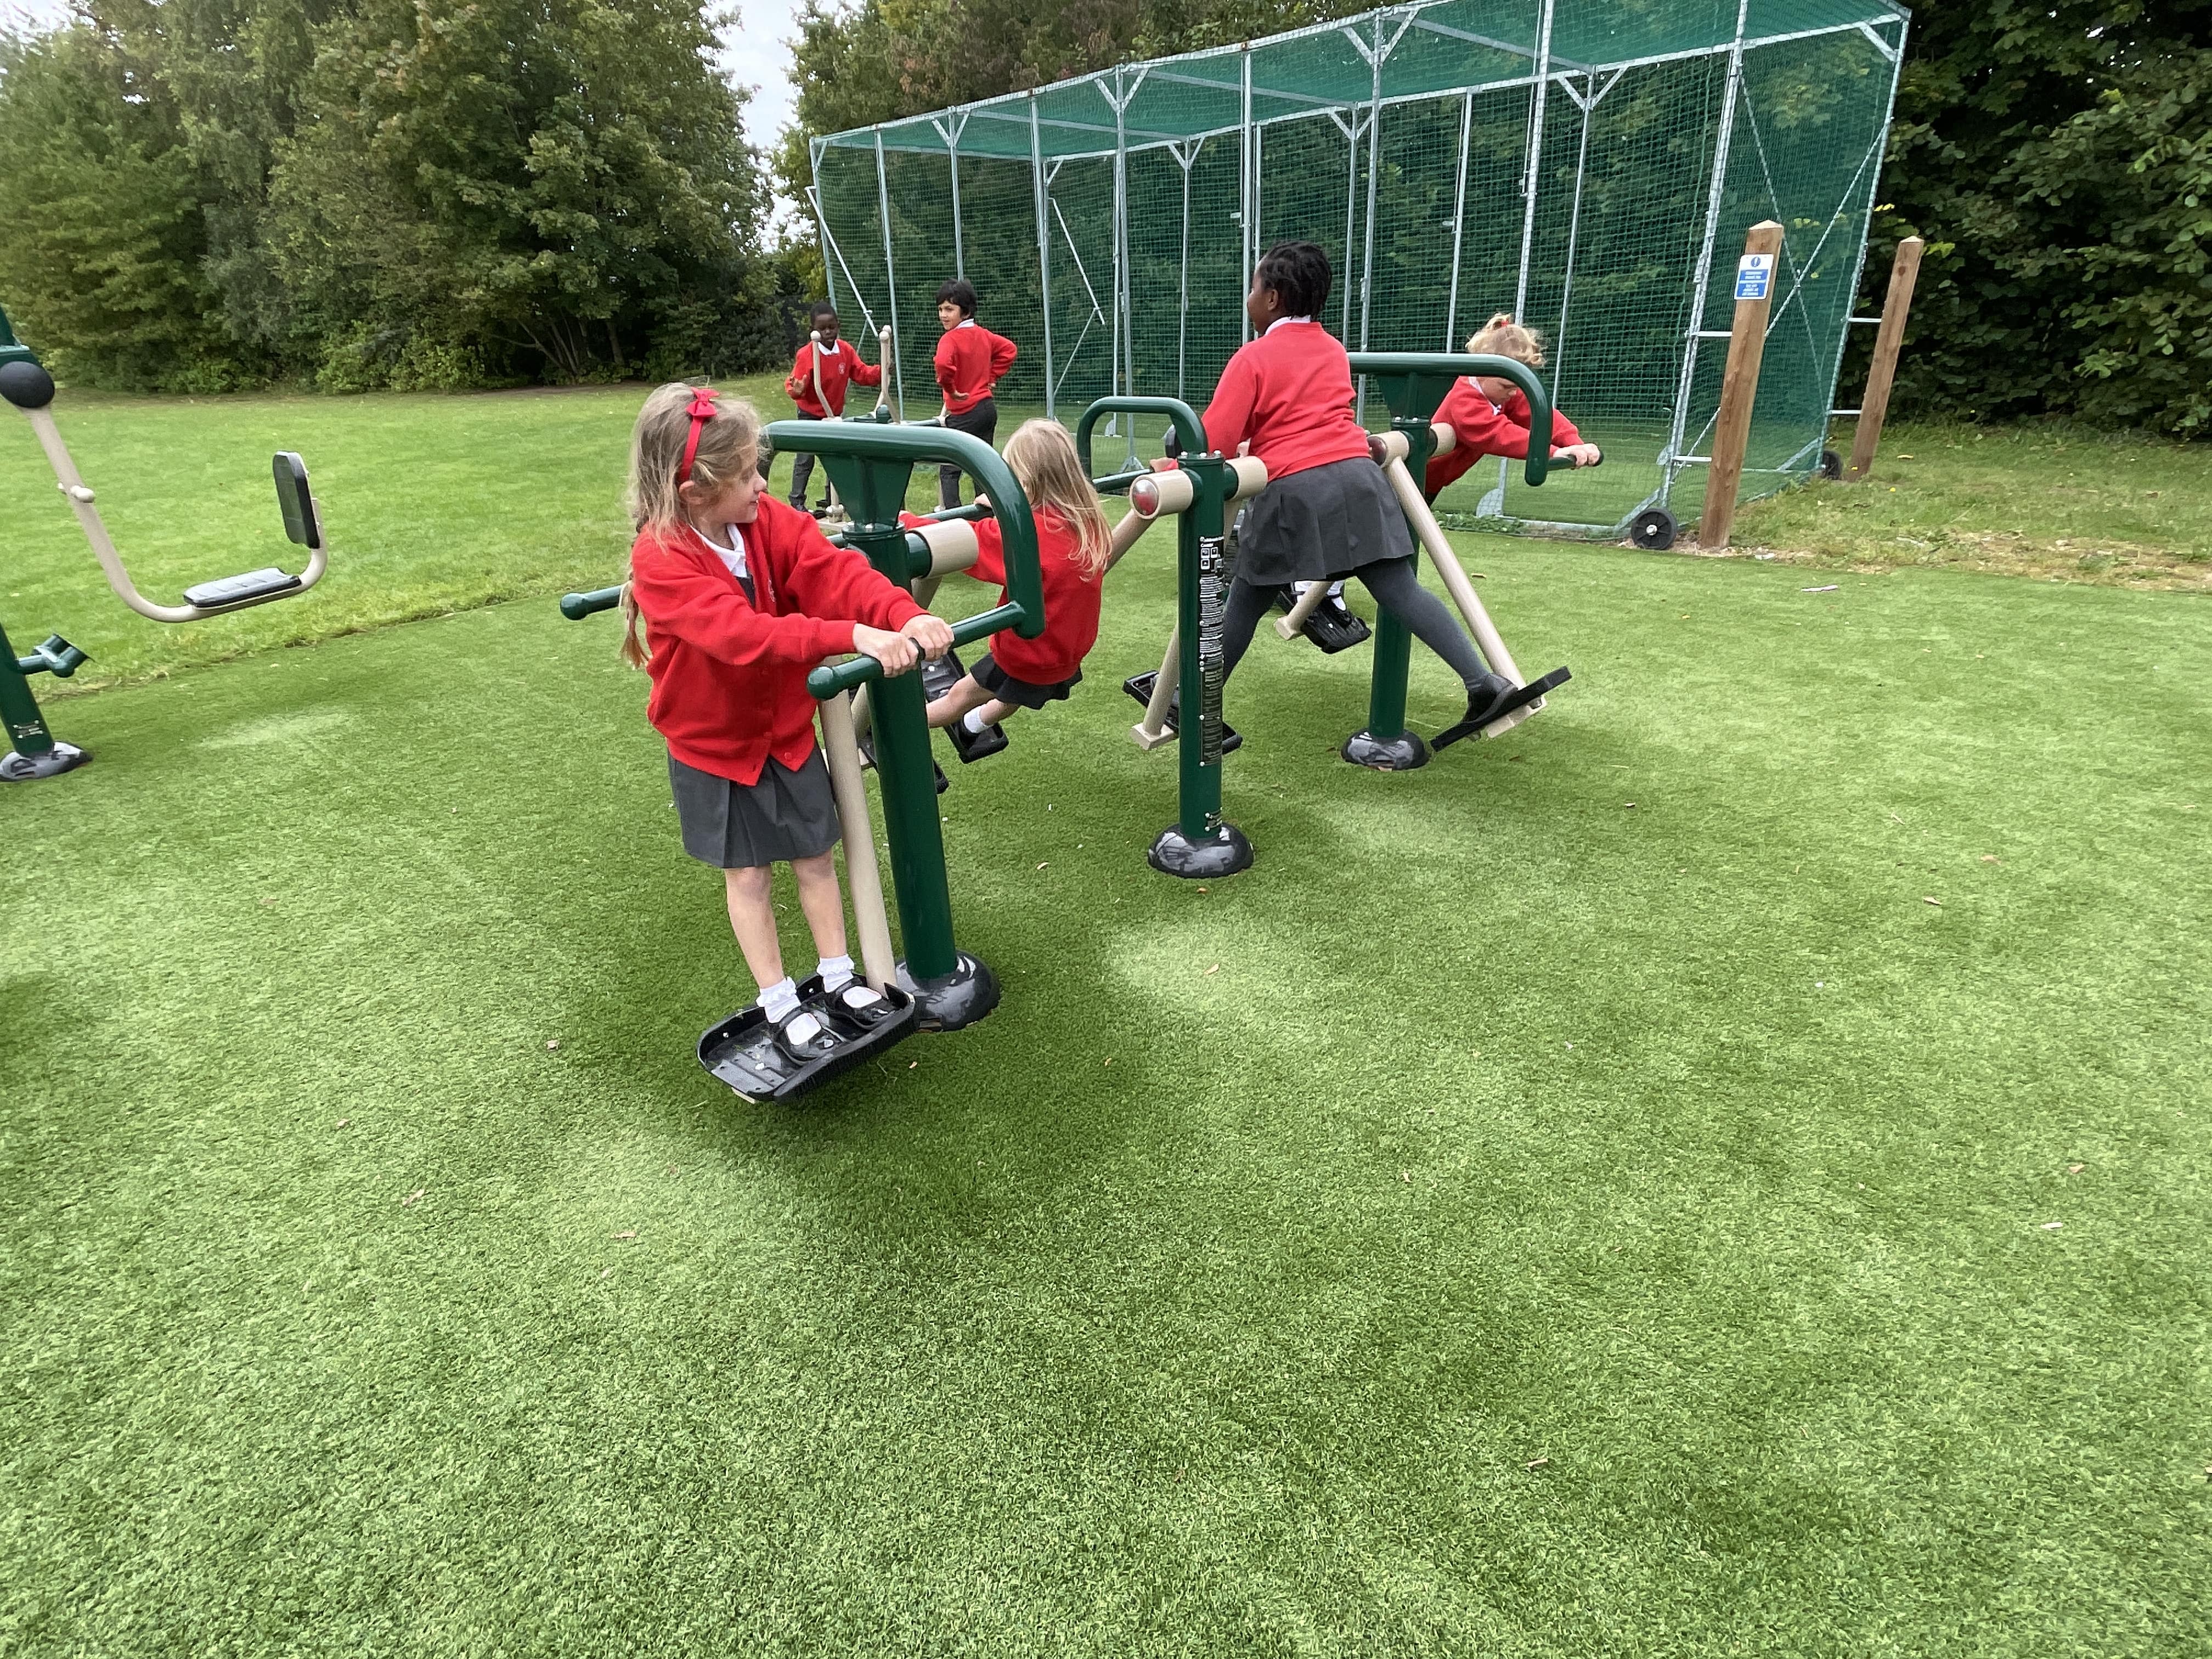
[(1883, 370), (1754, 289)]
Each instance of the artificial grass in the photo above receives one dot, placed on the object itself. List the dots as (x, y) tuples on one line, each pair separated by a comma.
[(1512, 1220)]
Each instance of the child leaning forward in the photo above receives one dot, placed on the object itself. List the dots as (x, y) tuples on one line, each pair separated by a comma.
[(1327, 510), (741, 596)]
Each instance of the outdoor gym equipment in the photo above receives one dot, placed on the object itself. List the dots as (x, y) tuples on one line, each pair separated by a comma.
[(1200, 845), (871, 465), (1413, 383), (26, 384)]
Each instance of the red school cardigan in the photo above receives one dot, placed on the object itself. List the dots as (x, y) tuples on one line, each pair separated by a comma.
[(840, 366), (1480, 427), (1290, 393), (729, 674), (1071, 599)]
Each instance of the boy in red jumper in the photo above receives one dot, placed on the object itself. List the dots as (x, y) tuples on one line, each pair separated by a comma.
[(816, 385), (741, 596), (1489, 415), (970, 361), (1327, 510)]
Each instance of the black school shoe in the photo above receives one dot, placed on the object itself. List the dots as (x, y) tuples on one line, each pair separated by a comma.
[(1140, 686), (973, 746), (1492, 699), (804, 1036), (1332, 626)]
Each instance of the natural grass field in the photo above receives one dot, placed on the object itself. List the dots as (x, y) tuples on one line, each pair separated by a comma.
[(1718, 1171)]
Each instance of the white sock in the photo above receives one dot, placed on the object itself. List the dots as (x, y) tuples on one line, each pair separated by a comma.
[(972, 721), (779, 1001), (1336, 590), (836, 972)]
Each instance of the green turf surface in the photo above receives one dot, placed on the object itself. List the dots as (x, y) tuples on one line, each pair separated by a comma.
[(1608, 1099)]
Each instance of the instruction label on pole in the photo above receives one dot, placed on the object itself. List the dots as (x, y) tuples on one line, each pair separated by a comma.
[(1754, 274)]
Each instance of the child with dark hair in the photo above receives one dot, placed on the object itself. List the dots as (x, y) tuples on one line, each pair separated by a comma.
[(970, 359), (1327, 510), (826, 367)]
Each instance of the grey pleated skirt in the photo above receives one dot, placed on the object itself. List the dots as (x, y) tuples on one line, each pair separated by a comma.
[(786, 815), (1322, 522)]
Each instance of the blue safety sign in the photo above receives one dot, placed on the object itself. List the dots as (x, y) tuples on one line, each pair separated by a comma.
[(1754, 274)]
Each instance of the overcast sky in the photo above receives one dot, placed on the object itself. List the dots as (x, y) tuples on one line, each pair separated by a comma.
[(757, 53)]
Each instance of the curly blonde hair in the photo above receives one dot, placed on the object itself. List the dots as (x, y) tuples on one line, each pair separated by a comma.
[(1501, 337)]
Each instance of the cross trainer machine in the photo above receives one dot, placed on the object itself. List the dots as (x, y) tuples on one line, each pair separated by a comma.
[(1413, 384), (37, 753), (1201, 845), (938, 986)]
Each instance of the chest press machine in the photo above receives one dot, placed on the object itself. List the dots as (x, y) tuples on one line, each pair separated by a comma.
[(36, 752)]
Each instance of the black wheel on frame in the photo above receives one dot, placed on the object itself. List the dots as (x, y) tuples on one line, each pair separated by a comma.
[(1653, 530), (1832, 465)]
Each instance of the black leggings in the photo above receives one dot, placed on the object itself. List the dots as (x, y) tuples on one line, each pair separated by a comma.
[(980, 421), (1396, 588)]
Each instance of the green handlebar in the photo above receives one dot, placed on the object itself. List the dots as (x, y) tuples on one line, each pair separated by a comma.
[(827, 682), (577, 606), (1415, 382), (57, 657), (1186, 425), (862, 440)]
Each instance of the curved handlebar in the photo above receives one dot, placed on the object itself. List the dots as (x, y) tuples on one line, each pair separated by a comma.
[(1404, 372), (1186, 425), (828, 682), (905, 445)]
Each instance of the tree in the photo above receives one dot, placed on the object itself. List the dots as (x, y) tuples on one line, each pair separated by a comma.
[(2058, 159), (488, 181), (103, 259)]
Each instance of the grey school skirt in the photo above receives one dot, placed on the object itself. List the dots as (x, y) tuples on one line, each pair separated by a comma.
[(1322, 522), (786, 815)]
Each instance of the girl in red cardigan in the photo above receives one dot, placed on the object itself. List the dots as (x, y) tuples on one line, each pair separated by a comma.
[(1488, 415), (1327, 510), (741, 596), (1073, 545)]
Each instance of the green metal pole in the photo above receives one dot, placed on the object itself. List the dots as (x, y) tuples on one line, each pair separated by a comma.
[(870, 467), (1413, 383), (909, 785), (1199, 846)]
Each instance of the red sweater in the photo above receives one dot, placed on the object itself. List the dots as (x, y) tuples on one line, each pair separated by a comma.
[(1071, 600), (839, 366), (1480, 427), (729, 674), (1290, 393), (970, 360)]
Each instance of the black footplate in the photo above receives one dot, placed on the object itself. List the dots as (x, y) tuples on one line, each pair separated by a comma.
[(1140, 686), (743, 1052), (237, 590), (1332, 626), (867, 748), (1498, 710)]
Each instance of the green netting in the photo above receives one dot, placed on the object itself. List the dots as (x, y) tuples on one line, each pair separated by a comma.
[(1589, 166)]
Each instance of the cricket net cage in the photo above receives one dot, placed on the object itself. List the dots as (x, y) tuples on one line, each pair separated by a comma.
[(1590, 166)]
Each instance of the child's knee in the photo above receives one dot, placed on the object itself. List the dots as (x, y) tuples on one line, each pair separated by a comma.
[(749, 884)]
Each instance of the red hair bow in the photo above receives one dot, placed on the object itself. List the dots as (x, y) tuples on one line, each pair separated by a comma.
[(701, 412)]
